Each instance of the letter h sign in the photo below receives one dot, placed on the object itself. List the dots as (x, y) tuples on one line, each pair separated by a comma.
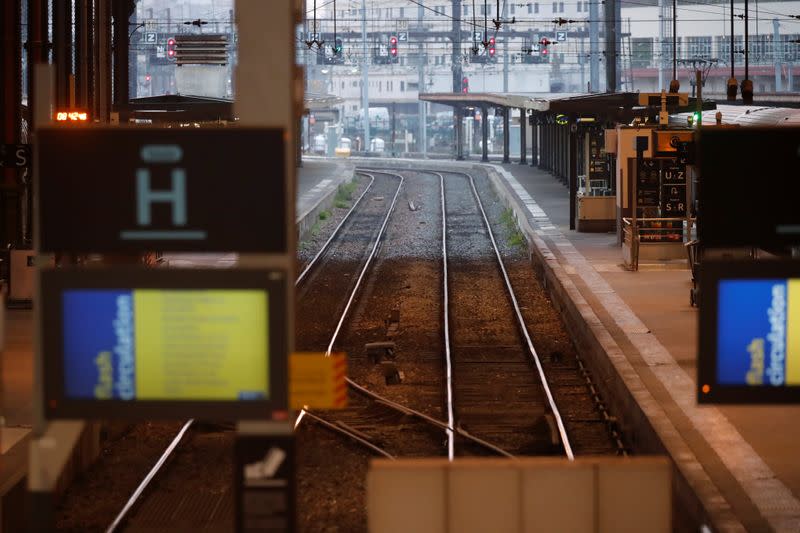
[(175, 196)]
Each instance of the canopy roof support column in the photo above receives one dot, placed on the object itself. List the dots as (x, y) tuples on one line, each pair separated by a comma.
[(458, 132), (506, 134), (485, 133), (523, 134)]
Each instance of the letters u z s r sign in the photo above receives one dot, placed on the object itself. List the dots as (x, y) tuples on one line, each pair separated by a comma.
[(106, 190)]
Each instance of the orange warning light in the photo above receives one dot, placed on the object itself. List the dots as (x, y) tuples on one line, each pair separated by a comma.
[(706, 389), (72, 116)]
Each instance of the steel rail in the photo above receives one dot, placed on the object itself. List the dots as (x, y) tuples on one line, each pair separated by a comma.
[(148, 478), (343, 431), (367, 263), (449, 426), (522, 325), (324, 248), (451, 445)]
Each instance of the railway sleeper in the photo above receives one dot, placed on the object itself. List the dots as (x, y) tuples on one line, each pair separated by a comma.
[(378, 351), (354, 431)]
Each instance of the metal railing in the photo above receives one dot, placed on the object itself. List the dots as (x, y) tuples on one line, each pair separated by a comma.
[(639, 231)]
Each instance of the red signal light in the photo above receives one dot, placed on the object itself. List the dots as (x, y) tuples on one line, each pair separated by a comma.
[(491, 41), (170, 48), (393, 40), (544, 51)]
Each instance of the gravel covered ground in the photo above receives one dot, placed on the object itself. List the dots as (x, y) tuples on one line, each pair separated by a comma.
[(401, 301)]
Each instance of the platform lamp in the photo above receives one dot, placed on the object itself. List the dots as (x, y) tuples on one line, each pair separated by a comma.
[(732, 83), (675, 85)]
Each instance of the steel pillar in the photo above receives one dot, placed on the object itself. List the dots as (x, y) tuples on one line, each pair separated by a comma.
[(485, 134), (458, 132), (121, 14), (534, 140), (506, 135), (573, 176), (62, 52), (10, 119), (523, 136)]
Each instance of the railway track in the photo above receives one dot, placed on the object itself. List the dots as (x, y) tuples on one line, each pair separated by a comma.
[(498, 389), (496, 397)]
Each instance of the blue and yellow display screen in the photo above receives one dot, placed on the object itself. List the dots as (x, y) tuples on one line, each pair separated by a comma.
[(758, 332), (155, 344)]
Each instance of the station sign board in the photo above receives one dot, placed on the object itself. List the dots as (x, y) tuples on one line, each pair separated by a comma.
[(129, 189), (15, 155), (749, 332), (143, 343), (749, 187)]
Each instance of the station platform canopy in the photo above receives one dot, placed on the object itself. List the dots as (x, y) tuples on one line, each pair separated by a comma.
[(321, 101), (189, 108), (520, 101), (614, 107)]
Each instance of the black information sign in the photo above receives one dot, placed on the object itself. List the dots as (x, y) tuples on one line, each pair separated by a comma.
[(748, 351), (15, 155), (673, 190), (750, 187), (132, 189), (264, 483), (144, 343), (647, 183)]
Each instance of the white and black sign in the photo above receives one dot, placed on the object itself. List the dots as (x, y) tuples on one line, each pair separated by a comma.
[(151, 37), (15, 155), (477, 36), (265, 483), (313, 37), (561, 36), (673, 191), (129, 190), (402, 36)]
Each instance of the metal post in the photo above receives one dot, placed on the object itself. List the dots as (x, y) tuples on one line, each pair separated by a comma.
[(523, 136), (82, 53), (506, 134), (594, 45), (365, 75), (776, 39), (611, 45), (505, 50), (422, 141), (674, 39), (485, 134), (573, 175), (62, 51), (458, 132), (10, 119), (102, 71), (456, 41), (535, 133), (121, 50), (747, 84)]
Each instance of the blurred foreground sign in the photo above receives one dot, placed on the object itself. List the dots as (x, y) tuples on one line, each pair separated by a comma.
[(749, 332), (317, 381), (178, 189)]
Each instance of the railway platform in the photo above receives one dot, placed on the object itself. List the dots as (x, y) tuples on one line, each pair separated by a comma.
[(736, 466)]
